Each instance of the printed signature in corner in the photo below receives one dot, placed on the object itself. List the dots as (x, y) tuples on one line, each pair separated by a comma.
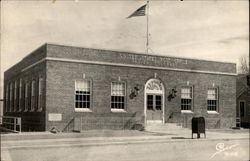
[(220, 147)]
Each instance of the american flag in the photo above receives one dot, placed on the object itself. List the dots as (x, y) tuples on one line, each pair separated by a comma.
[(139, 12)]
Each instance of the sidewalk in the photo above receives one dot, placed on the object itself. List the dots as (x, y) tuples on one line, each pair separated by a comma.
[(83, 134), (112, 137)]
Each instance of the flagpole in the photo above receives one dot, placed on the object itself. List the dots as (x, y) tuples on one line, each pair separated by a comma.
[(147, 44)]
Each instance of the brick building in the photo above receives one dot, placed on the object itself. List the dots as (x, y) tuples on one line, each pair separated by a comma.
[(243, 98), (80, 88)]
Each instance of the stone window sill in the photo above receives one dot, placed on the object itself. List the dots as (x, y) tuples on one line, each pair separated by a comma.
[(118, 110), (212, 112), (83, 110), (186, 111)]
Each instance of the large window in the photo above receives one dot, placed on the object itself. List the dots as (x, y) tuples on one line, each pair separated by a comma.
[(40, 93), (82, 94), (186, 98), (117, 95), (212, 99), (20, 96), (15, 96), (26, 102), (11, 97), (7, 99), (33, 84)]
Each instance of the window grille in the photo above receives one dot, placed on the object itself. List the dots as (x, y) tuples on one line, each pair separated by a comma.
[(117, 95), (212, 97), (82, 94), (186, 98)]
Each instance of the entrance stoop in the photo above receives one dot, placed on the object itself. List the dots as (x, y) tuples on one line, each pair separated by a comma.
[(163, 127)]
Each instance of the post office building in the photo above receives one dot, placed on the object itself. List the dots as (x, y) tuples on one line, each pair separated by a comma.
[(67, 88)]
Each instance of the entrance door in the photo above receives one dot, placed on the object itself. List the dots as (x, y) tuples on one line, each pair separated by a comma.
[(242, 113), (154, 101), (154, 107)]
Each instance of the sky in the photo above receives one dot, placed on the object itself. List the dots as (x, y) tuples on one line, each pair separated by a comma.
[(211, 30)]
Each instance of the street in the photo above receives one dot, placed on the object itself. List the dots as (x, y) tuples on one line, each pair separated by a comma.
[(126, 149)]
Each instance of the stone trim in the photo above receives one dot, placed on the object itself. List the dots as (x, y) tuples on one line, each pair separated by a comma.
[(127, 65)]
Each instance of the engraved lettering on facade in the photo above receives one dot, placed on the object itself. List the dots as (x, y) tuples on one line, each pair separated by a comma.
[(151, 60)]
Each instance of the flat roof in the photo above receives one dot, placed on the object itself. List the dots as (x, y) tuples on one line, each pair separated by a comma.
[(68, 53)]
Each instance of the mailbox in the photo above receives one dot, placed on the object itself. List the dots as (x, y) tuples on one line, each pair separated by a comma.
[(198, 126)]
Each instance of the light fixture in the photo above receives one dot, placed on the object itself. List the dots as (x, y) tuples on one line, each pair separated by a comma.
[(172, 94), (134, 91)]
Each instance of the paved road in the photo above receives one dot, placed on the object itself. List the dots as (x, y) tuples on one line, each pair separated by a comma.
[(126, 146), (133, 150)]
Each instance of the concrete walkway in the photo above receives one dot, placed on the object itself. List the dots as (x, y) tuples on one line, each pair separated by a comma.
[(112, 137)]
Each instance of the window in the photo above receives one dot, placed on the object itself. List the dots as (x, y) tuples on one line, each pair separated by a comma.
[(150, 102), (7, 99), (26, 102), (15, 96), (82, 94), (212, 97), (20, 96), (32, 95), (242, 109), (117, 95), (40, 93), (154, 102), (186, 98), (11, 97), (158, 102)]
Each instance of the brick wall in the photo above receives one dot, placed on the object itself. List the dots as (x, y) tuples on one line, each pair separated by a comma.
[(245, 121), (60, 92), (31, 120), (89, 121)]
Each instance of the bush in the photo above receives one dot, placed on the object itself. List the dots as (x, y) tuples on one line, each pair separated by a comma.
[(138, 126)]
